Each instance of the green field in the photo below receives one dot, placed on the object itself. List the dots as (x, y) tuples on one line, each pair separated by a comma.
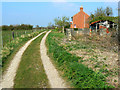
[(11, 48), (7, 35)]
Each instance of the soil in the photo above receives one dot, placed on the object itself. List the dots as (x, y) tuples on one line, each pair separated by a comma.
[(101, 54)]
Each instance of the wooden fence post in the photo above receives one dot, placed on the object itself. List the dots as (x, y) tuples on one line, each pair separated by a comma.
[(77, 33), (1, 40), (25, 31), (90, 31), (69, 36), (13, 35), (10, 36)]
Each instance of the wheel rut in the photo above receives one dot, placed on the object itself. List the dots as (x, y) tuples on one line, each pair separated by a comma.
[(54, 79), (8, 78)]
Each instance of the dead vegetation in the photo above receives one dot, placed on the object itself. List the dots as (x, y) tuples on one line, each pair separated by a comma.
[(97, 52)]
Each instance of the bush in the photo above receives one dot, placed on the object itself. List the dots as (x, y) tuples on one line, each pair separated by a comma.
[(76, 29)]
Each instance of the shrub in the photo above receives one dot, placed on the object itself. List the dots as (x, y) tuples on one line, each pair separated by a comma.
[(76, 29)]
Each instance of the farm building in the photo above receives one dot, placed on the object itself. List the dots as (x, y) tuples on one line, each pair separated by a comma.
[(80, 20), (101, 24)]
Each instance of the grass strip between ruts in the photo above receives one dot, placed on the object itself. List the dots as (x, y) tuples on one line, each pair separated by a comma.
[(31, 72), (6, 61)]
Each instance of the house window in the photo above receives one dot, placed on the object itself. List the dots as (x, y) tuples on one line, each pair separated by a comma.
[(74, 25)]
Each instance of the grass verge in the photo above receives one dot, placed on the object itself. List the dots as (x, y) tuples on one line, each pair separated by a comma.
[(31, 72), (78, 74), (10, 57), (6, 61)]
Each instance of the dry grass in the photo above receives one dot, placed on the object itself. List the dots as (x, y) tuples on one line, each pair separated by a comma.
[(99, 53)]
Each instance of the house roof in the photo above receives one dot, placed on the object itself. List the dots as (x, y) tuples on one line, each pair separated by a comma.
[(95, 22), (70, 22), (98, 21), (79, 13), (113, 19)]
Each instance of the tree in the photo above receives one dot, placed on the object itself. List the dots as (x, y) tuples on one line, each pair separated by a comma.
[(62, 22), (90, 18), (11, 27), (58, 22), (17, 27), (102, 14), (108, 11), (5, 27), (99, 12), (49, 25), (37, 27)]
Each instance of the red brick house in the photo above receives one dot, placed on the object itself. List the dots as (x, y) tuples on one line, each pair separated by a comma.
[(80, 20)]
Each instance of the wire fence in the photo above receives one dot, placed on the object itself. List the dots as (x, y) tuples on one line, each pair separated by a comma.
[(77, 33), (8, 36), (101, 32)]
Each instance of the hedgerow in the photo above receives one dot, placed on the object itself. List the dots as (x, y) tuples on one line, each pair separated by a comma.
[(78, 74)]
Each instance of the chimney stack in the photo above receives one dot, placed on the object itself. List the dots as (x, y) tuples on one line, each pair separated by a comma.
[(81, 8)]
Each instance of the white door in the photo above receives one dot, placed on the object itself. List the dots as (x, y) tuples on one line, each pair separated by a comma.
[(74, 25)]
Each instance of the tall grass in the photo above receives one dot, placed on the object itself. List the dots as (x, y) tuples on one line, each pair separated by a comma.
[(10, 49), (7, 35)]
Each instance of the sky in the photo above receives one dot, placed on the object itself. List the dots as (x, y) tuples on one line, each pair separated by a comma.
[(41, 13)]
